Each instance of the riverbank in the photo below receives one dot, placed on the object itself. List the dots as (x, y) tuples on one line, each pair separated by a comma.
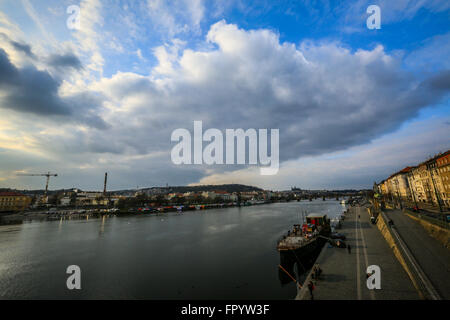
[(73, 213), (84, 213), (344, 274)]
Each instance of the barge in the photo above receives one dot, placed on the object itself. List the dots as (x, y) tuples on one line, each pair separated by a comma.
[(304, 241)]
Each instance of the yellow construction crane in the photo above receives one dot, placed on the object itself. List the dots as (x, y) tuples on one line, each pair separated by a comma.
[(48, 175)]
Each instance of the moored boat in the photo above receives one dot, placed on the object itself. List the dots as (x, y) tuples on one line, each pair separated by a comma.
[(316, 225), (304, 242)]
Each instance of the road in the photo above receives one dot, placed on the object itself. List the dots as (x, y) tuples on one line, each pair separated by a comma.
[(431, 255)]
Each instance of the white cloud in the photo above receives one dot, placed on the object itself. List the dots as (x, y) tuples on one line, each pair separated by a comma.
[(87, 35), (177, 16), (356, 167), (323, 97)]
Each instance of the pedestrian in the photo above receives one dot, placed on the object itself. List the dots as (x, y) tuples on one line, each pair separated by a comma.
[(349, 249), (359, 216), (311, 288)]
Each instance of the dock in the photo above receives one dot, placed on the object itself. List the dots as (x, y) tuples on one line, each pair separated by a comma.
[(343, 274)]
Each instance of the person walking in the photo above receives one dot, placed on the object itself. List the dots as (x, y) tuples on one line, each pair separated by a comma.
[(319, 272), (349, 249), (311, 288)]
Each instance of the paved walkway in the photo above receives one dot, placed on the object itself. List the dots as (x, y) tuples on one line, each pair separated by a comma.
[(344, 274), (431, 255)]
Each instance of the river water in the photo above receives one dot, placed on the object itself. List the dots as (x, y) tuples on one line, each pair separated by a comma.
[(210, 254)]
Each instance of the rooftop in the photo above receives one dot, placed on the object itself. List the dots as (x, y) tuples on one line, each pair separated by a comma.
[(316, 215), (11, 194)]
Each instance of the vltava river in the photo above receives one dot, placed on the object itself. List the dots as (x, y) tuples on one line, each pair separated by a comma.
[(212, 254)]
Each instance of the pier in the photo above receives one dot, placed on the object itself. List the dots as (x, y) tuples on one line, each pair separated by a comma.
[(344, 274)]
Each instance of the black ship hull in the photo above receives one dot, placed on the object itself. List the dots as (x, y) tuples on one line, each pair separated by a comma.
[(303, 257), (303, 252)]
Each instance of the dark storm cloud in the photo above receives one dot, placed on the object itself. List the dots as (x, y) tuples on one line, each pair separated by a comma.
[(22, 47), (25, 48), (7, 70), (440, 82), (29, 90), (67, 60)]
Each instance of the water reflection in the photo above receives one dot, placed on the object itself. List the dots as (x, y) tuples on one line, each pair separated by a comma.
[(102, 226)]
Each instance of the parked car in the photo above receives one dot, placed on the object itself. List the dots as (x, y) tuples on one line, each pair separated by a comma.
[(340, 244), (336, 235)]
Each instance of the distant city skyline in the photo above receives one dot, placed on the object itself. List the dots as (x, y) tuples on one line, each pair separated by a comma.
[(352, 105)]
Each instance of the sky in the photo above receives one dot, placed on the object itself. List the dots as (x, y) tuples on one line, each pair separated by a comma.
[(352, 104)]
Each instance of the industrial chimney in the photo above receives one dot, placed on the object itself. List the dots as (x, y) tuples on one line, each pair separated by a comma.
[(106, 180)]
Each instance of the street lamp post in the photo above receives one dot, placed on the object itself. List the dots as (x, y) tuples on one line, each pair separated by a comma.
[(398, 194), (411, 188), (434, 187)]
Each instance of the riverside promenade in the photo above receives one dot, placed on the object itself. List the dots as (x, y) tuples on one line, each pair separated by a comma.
[(344, 274)]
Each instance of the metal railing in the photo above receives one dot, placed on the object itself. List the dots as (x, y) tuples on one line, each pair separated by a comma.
[(430, 218)]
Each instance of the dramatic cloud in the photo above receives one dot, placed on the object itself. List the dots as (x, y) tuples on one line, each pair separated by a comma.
[(25, 48), (30, 90), (176, 16), (357, 167), (68, 60), (324, 98)]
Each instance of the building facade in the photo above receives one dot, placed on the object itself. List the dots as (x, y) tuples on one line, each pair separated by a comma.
[(13, 201), (443, 171), (428, 183)]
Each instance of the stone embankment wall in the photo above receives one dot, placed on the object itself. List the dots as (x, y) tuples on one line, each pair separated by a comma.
[(437, 232)]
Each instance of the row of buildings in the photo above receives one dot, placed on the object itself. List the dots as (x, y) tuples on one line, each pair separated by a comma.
[(428, 182), (220, 195), (14, 201)]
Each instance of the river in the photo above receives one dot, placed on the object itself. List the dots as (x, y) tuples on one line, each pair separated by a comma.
[(210, 254)]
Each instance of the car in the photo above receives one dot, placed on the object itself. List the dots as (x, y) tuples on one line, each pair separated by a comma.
[(340, 244), (336, 235)]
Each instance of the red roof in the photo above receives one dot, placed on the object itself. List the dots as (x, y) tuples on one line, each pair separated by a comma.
[(11, 194), (407, 169), (220, 192), (444, 155)]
